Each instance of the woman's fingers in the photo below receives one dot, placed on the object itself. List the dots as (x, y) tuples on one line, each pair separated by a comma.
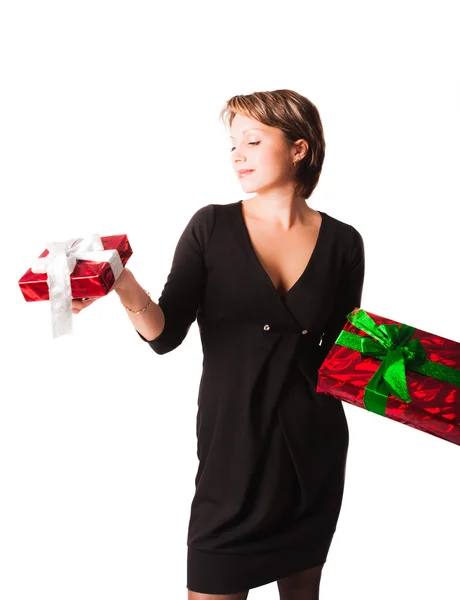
[(81, 303)]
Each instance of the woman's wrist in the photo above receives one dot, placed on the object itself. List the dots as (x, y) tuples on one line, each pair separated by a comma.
[(132, 295), (125, 280)]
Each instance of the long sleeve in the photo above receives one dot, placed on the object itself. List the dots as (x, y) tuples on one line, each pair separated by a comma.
[(185, 284), (349, 294)]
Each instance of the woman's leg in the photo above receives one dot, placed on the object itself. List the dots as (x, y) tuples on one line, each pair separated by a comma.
[(301, 586), (199, 596)]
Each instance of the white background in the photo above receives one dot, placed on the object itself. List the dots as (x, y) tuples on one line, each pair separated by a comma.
[(109, 123)]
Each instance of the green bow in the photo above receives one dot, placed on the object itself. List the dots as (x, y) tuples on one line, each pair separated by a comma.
[(390, 343)]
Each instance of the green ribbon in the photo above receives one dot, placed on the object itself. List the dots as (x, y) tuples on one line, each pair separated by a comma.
[(392, 345)]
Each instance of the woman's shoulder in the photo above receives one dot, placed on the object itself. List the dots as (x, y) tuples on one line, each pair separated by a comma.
[(207, 213), (347, 239), (342, 226), (345, 230), (200, 226)]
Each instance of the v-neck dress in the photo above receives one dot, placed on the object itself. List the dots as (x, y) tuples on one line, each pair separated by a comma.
[(271, 450)]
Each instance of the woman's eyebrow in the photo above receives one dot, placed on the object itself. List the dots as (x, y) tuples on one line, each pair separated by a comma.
[(244, 131)]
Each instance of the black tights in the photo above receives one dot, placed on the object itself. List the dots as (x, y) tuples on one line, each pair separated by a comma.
[(299, 586)]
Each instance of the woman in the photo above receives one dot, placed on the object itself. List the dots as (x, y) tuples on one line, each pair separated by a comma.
[(270, 282)]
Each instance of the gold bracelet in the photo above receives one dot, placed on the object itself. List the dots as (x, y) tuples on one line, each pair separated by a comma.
[(138, 312)]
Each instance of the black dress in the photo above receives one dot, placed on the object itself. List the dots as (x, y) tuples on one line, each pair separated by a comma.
[(272, 451)]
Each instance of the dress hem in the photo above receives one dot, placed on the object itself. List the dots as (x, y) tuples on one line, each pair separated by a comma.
[(228, 573)]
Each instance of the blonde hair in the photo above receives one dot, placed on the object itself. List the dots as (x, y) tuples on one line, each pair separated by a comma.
[(297, 117)]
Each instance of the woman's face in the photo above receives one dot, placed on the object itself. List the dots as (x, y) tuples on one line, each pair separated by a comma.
[(262, 150)]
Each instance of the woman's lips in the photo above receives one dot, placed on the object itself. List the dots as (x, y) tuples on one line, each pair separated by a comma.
[(245, 173)]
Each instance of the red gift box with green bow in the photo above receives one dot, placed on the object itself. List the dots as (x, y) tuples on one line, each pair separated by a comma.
[(396, 371)]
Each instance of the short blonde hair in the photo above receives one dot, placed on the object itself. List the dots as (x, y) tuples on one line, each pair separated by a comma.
[(297, 117)]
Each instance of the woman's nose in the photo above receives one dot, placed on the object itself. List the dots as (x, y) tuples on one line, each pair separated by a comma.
[(238, 157)]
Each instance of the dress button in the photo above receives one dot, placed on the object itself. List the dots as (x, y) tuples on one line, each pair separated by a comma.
[(266, 327), (304, 332)]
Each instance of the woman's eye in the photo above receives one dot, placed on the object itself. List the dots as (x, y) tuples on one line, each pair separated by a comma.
[(250, 144)]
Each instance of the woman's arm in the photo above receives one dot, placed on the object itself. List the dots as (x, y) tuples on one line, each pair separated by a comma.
[(182, 292), (151, 322), (349, 294)]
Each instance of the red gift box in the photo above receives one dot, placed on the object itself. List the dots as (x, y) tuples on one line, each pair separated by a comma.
[(397, 371), (89, 279), (77, 268)]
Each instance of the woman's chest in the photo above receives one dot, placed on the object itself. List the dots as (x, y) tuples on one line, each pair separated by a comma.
[(246, 269), (283, 255)]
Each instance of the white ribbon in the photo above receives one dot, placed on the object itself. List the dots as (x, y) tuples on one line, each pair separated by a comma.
[(60, 263)]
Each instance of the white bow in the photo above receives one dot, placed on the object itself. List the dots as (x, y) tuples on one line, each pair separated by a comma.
[(60, 263)]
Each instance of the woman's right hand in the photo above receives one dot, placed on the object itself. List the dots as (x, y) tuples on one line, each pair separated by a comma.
[(79, 304)]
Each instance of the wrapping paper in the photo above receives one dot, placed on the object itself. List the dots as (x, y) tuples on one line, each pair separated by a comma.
[(397, 371), (77, 268)]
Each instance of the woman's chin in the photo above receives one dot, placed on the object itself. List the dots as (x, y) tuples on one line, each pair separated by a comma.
[(248, 186)]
